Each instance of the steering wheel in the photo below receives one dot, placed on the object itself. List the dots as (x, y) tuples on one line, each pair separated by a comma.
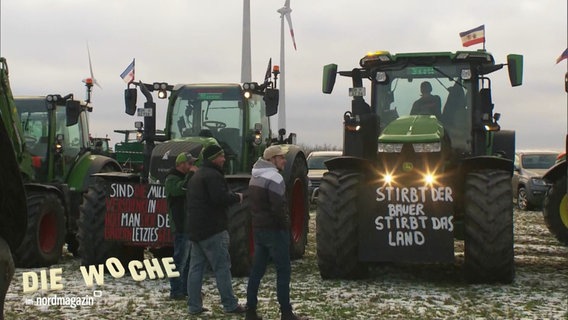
[(30, 139), (212, 124)]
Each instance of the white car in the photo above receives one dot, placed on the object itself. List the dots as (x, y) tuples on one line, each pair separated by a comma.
[(316, 169)]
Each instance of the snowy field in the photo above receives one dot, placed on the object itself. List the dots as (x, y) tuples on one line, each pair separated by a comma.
[(540, 290)]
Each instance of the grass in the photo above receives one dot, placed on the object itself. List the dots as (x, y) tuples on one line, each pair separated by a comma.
[(393, 291)]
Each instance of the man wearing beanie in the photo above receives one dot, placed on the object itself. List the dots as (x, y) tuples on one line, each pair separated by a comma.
[(175, 187), (271, 225), (208, 199)]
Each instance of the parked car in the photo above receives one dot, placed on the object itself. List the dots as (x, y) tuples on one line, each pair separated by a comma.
[(316, 169), (528, 186)]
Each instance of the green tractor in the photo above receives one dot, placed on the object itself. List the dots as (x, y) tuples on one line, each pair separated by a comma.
[(555, 205), (56, 163), (130, 151), (13, 214), (234, 116), (423, 163)]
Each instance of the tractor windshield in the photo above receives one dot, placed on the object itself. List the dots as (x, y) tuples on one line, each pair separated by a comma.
[(35, 123), (427, 90), (209, 111)]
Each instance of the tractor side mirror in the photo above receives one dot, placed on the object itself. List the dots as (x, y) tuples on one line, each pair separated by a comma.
[(73, 110), (130, 101), (271, 97), (329, 75), (515, 66)]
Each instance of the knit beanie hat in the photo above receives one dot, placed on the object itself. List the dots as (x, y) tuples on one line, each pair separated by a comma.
[(211, 152)]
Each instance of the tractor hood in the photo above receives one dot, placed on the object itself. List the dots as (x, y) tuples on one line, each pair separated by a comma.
[(421, 129), (164, 156)]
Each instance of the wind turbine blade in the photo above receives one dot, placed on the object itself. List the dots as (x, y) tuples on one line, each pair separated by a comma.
[(289, 19), (91, 68)]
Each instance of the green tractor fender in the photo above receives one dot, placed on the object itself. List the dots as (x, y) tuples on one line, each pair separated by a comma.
[(559, 169), (80, 176)]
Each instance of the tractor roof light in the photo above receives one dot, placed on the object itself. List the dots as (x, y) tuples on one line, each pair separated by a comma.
[(372, 57), (162, 88), (247, 94), (53, 98)]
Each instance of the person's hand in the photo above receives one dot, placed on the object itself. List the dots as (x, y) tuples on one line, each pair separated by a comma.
[(240, 196)]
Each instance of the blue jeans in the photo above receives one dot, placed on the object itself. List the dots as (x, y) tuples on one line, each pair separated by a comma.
[(182, 247), (275, 245), (215, 251)]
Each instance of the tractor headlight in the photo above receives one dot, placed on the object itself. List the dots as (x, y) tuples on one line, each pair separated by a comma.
[(390, 147), (427, 147)]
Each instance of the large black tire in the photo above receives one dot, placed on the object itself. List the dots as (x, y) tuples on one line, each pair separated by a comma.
[(337, 226), (555, 210), (45, 234), (488, 253), (299, 206), (241, 244), (93, 248), (72, 237)]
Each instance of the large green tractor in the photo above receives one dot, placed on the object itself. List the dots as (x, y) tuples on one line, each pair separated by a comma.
[(13, 214), (56, 164), (234, 116), (424, 162), (555, 205)]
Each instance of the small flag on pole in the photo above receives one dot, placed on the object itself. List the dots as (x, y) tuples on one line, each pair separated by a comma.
[(473, 36), (268, 70), (128, 74), (563, 56)]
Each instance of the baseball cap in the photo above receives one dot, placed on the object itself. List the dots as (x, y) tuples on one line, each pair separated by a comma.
[(184, 157), (273, 151)]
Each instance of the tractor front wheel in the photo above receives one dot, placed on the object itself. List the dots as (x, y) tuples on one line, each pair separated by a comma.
[(45, 235), (241, 246), (93, 248), (555, 210), (488, 253), (337, 226)]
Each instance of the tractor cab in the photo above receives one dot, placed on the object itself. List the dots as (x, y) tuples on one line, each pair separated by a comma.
[(56, 133), (235, 117)]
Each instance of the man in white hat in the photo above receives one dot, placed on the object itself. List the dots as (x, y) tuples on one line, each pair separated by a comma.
[(271, 225)]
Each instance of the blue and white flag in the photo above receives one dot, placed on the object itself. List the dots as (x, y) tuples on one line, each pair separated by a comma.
[(128, 74)]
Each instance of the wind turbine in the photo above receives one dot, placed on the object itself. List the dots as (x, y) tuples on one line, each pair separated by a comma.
[(246, 55), (89, 82), (284, 13)]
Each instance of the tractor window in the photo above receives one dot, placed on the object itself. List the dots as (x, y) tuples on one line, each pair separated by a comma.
[(436, 91), (257, 115)]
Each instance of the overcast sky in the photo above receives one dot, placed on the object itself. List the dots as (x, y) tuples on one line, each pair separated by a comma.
[(184, 41)]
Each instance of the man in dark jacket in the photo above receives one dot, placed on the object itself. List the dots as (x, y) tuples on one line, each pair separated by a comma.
[(271, 224), (175, 185), (208, 200)]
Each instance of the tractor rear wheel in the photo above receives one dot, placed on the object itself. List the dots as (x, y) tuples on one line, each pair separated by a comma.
[(298, 201), (555, 210), (43, 243), (337, 226), (93, 248), (488, 253)]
